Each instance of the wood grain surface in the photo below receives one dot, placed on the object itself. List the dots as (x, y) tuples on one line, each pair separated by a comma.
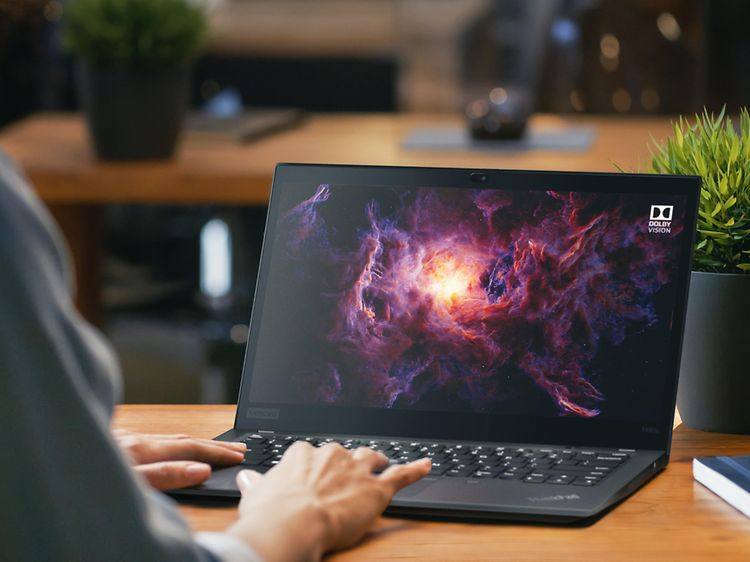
[(671, 518)]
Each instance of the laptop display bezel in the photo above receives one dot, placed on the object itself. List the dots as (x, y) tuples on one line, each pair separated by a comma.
[(467, 426)]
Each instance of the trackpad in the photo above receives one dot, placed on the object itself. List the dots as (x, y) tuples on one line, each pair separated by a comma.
[(416, 488), (223, 479), (461, 490)]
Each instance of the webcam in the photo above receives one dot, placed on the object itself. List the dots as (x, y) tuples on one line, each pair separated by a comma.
[(478, 177)]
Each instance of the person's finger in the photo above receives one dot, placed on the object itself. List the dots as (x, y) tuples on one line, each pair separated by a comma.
[(233, 445), (299, 448), (163, 436), (246, 479), (187, 449), (401, 475), (174, 474), (373, 460)]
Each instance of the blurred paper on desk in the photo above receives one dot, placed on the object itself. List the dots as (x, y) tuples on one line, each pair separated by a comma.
[(248, 126), (572, 138)]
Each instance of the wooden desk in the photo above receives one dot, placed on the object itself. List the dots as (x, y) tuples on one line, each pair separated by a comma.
[(671, 518), (54, 151)]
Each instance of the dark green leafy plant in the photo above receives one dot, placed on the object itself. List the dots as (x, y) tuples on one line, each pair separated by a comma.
[(712, 148), (134, 32)]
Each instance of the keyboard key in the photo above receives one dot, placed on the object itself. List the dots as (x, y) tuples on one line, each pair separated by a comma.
[(254, 460), (460, 472), (512, 475), (437, 457), (494, 470), (609, 460), (482, 474), (579, 470), (535, 478), (438, 469), (594, 465), (583, 482), (562, 479)]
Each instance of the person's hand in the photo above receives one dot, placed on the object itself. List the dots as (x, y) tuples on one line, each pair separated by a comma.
[(317, 499), (176, 461)]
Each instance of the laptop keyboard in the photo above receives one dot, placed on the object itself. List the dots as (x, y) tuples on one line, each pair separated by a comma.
[(560, 467)]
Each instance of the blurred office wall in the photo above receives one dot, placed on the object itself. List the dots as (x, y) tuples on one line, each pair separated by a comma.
[(593, 56)]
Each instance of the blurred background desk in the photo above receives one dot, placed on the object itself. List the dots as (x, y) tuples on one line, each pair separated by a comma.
[(211, 177), (55, 153), (671, 518)]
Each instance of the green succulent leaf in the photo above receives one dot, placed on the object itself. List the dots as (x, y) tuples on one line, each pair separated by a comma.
[(711, 147), (135, 32)]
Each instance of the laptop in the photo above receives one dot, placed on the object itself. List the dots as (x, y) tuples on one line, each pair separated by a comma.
[(521, 329)]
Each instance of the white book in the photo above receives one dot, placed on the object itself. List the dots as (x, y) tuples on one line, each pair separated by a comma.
[(727, 477)]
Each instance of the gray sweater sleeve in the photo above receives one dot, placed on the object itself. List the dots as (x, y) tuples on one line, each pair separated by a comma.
[(66, 492)]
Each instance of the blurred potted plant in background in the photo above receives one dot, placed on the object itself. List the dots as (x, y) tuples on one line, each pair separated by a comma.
[(133, 71), (714, 383)]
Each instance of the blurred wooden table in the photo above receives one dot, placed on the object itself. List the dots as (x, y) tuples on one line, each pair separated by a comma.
[(671, 518), (54, 151)]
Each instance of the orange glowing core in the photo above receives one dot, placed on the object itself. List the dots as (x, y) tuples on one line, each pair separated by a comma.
[(448, 279)]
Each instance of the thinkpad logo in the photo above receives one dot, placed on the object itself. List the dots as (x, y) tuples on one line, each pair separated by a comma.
[(556, 498), (660, 219)]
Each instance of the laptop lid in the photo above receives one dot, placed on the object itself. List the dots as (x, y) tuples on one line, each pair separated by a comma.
[(476, 305)]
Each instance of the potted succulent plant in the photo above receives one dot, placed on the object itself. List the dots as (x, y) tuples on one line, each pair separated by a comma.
[(714, 386), (133, 70)]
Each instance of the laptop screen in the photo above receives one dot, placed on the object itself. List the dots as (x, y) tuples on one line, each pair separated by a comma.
[(543, 303)]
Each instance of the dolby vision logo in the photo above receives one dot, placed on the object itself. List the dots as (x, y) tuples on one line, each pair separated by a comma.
[(660, 219), (661, 212)]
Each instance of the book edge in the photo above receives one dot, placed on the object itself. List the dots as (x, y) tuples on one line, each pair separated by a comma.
[(734, 495)]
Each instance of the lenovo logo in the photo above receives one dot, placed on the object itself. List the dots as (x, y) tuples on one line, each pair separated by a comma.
[(263, 413)]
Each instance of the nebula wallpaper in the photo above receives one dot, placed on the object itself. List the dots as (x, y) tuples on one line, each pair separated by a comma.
[(509, 302)]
